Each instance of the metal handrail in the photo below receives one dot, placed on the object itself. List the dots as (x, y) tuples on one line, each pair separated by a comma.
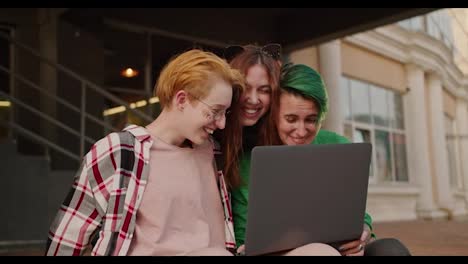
[(85, 84), (56, 98), (75, 75), (45, 116), (41, 140)]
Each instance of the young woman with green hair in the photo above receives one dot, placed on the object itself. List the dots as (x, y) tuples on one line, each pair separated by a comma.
[(303, 105)]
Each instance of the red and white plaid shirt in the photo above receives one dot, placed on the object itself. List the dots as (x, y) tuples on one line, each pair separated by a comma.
[(106, 194)]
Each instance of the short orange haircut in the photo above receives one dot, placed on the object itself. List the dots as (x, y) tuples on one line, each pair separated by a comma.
[(193, 71)]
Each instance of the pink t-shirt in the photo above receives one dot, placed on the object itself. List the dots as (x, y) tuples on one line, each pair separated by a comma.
[(181, 208)]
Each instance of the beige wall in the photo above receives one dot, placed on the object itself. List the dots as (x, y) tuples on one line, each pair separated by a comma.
[(307, 56), (371, 67), (449, 104), (459, 23)]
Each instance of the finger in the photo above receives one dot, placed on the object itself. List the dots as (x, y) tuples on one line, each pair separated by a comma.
[(350, 245), (350, 251), (358, 251), (358, 254), (241, 249), (365, 235)]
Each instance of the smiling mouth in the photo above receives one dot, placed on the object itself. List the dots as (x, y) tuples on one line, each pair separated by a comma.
[(251, 112), (209, 130)]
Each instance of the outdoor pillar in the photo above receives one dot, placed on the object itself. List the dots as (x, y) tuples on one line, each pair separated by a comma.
[(330, 69), (149, 72), (48, 24), (417, 134), (462, 136), (439, 143)]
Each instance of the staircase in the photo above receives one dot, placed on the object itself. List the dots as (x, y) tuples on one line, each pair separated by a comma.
[(32, 189)]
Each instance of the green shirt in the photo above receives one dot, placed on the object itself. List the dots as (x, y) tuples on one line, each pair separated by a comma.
[(240, 195)]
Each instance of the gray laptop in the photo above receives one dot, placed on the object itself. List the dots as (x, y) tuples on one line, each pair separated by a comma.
[(305, 194)]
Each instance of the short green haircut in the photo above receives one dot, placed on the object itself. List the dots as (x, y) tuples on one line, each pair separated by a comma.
[(303, 80)]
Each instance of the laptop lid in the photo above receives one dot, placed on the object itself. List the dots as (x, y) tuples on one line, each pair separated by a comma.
[(305, 194)]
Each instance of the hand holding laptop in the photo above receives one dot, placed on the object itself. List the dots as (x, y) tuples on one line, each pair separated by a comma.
[(241, 250), (356, 247)]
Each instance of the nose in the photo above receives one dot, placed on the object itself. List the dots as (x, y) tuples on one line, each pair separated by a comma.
[(301, 130), (252, 96), (221, 123)]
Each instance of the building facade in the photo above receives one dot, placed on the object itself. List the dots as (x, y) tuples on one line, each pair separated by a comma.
[(404, 88)]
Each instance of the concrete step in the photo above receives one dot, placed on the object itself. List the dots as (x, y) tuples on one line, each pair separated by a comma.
[(7, 148), (32, 196), (24, 214), (59, 184)]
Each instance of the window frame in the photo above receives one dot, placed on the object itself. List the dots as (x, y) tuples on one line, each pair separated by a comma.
[(392, 128)]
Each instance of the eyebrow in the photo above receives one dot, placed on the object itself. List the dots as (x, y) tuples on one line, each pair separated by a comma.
[(260, 87), (293, 114)]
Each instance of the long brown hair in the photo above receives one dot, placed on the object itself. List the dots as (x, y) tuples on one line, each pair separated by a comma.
[(230, 139), (233, 138)]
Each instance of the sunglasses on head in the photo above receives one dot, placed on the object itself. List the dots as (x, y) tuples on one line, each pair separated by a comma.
[(272, 50)]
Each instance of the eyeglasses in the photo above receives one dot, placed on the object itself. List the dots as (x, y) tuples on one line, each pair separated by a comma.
[(214, 115), (272, 50)]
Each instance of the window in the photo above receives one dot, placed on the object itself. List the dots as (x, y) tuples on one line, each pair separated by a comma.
[(439, 27), (436, 24), (375, 114), (415, 23)]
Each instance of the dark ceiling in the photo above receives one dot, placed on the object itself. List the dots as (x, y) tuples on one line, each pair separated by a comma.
[(178, 29), (288, 26)]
